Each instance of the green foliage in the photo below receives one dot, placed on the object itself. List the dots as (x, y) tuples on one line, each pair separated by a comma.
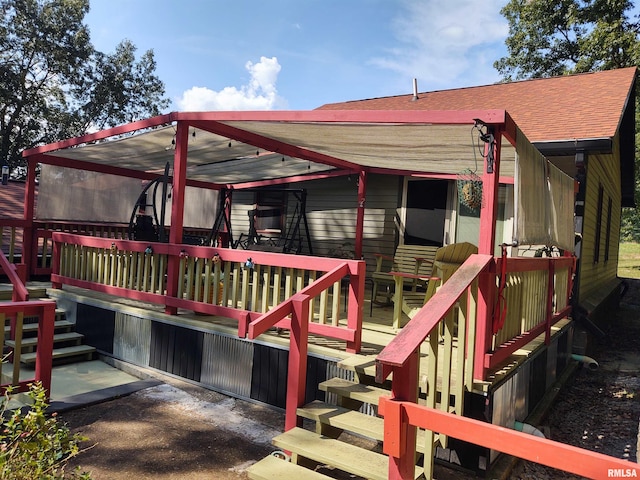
[(34, 446), (629, 260), (55, 85), (557, 37)]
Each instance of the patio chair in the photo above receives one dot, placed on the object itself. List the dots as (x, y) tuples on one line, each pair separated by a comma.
[(446, 261), (409, 259)]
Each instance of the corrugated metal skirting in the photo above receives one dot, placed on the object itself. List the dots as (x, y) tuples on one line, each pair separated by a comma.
[(227, 364), (131, 340)]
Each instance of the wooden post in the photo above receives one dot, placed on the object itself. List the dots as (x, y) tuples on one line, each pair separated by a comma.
[(44, 353), (55, 261), (29, 242), (486, 245), (550, 291), (362, 193), (177, 210), (399, 435), (297, 374), (490, 184), (356, 307)]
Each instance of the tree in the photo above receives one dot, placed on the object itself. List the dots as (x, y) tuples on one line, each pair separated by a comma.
[(55, 85), (559, 37)]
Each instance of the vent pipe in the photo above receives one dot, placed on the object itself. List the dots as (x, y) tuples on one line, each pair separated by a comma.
[(415, 90)]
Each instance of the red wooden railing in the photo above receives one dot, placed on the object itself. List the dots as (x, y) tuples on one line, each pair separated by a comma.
[(483, 347), (294, 314), (16, 311), (142, 271), (401, 416), (39, 261)]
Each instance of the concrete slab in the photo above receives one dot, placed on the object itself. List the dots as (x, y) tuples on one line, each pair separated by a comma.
[(84, 383)]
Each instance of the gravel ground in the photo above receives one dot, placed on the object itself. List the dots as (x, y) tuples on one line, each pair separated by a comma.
[(600, 410)]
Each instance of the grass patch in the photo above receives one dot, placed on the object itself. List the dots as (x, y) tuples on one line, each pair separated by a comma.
[(629, 260)]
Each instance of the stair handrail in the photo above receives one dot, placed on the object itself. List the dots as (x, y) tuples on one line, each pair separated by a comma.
[(297, 308), (401, 357), (398, 352), (45, 311), (20, 292), (568, 458)]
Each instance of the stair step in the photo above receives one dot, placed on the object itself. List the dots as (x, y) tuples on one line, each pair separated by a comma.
[(344, 418), (356, 391), (335, 453), (60, 353), (57, 338), (33, 327), (272, 468), (353, 422), (360, 364)]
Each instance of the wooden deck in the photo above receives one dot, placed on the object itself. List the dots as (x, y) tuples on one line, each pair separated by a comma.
[(377, 330)]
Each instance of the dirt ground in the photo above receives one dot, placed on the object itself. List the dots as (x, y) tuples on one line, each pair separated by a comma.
[(179, 431), (173, 431)]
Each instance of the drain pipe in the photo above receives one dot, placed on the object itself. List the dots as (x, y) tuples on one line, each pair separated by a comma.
[(526, 428), (588, 361)]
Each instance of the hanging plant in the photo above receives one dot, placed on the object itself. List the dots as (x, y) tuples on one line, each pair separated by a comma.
[(469, 186)]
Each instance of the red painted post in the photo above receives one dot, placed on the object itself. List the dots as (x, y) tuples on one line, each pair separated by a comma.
[(297, 373), (484, 321), (486, 244), (29, 244), (356, 307), (550, 290), (55, 262), (489, 209), (21, 271), (403, 439), (44, 353), (362, 193), (177, 210)]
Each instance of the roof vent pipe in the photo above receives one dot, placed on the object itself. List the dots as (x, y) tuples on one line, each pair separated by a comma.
[(415, 90)]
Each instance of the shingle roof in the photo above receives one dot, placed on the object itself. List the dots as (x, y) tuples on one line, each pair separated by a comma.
[(545, 109)]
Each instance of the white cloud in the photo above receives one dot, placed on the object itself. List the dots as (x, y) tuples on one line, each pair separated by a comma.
[(259, 94), (443, 42)]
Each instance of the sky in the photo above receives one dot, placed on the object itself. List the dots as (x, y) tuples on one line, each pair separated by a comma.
[(301, 54)]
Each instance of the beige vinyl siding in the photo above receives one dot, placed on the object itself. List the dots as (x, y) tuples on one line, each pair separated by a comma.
[(332, 214), (241, 203), (602, 170)]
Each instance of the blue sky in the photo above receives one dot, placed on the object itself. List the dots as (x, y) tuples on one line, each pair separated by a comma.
[(300, 54)]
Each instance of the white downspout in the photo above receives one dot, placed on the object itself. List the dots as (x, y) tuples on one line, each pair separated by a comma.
[(588, 361)]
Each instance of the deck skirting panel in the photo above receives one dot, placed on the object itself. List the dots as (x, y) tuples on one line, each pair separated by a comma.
[(131, 341), (227, 364)]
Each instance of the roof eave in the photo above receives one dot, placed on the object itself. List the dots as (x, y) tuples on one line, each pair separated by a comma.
[(571, 147)]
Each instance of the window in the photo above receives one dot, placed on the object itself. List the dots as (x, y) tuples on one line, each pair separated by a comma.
[(270, 211), (596, 243)]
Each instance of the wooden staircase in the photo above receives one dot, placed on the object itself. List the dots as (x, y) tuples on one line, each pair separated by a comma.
[(68, 346), (329, 445)]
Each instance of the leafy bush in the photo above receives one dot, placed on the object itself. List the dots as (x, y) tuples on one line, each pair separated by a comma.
[(34, 446)]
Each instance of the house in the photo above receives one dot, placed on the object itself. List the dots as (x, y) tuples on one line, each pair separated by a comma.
[(585, 125), (373, 178)]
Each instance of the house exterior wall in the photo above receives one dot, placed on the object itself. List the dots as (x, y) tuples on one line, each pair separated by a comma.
[(331, 215), (601, 226)]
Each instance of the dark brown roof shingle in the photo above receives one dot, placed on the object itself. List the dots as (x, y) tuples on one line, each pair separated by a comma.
[(545, 109)]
